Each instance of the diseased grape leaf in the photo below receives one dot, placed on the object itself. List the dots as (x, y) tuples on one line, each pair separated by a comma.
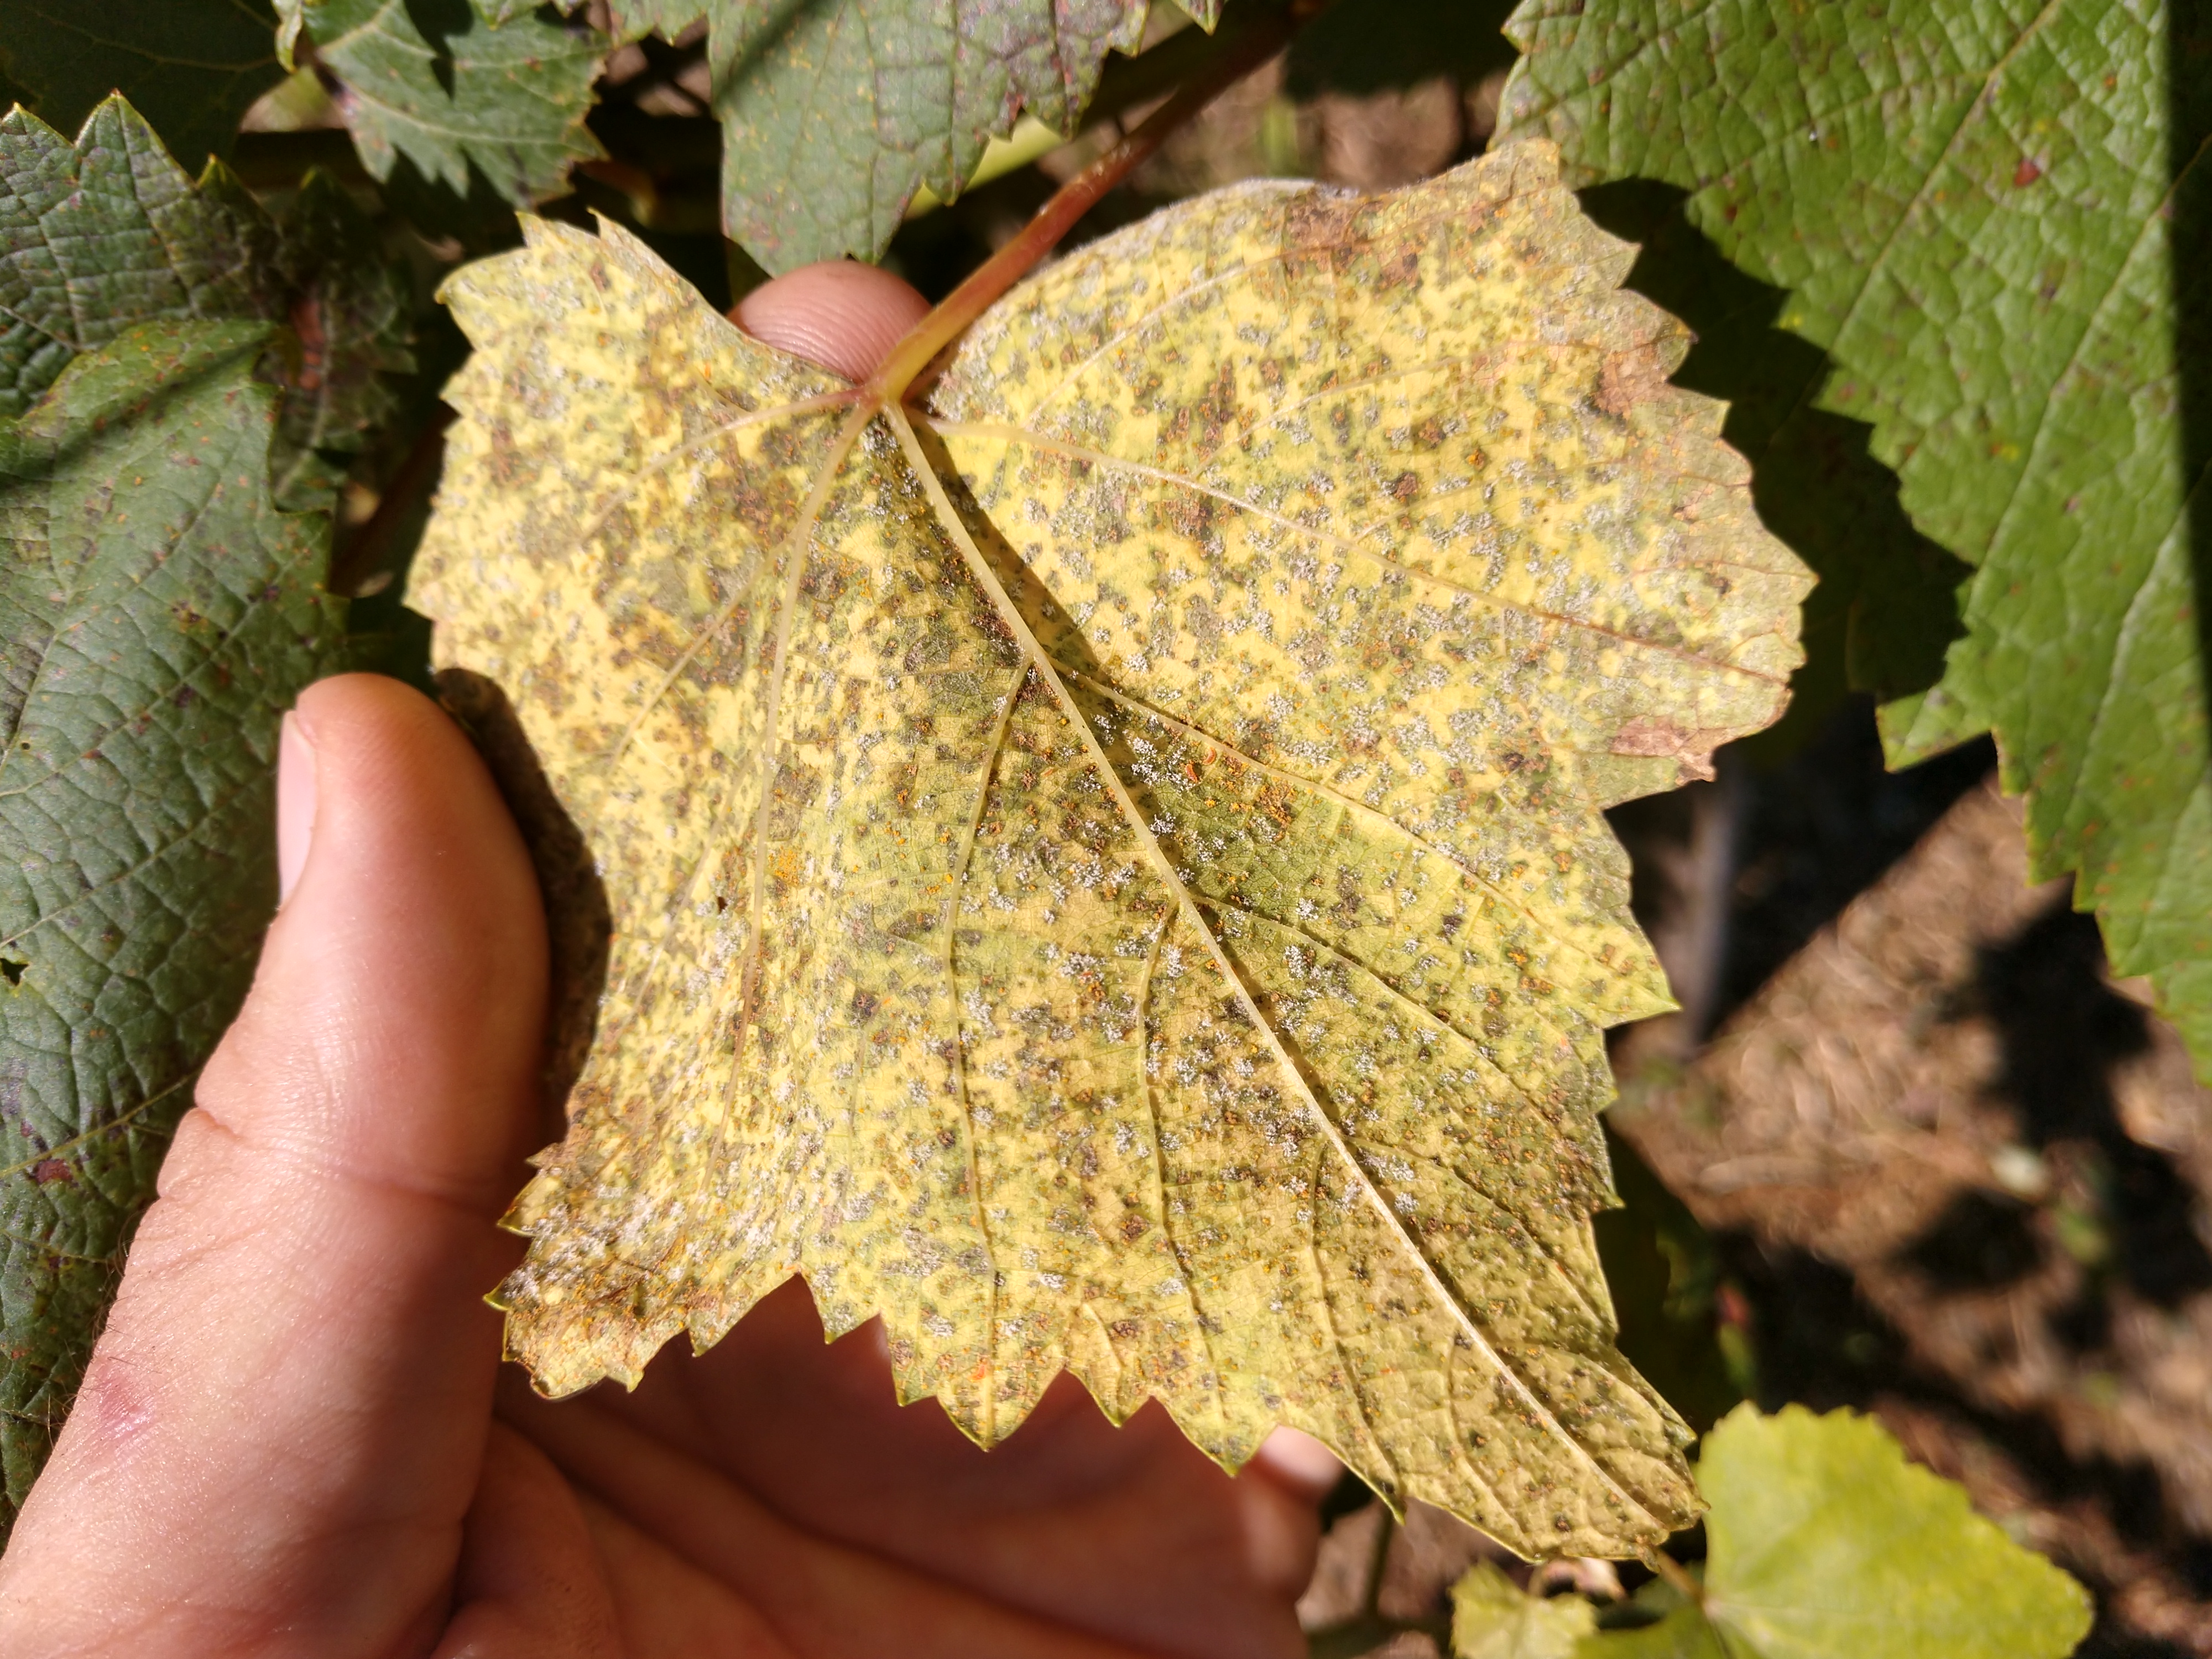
[(157, 613), (1885, 609), (191, 67), (507, 101), (1107, 871), (1822, 1542), (1974, 207), (99, 236), (835, 114)]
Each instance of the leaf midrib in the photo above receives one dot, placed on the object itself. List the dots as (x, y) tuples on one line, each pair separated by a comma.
[(1502, 895)]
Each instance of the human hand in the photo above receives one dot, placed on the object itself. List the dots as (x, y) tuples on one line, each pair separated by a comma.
[(294, 1439)]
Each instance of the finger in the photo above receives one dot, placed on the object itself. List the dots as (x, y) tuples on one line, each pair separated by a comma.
[(282, 1424), (530, 1585), (841, 314), (1297, 1462)]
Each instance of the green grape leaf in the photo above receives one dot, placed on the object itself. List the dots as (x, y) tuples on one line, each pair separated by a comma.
[(148, 584), (1685, 1633), (192, 67), (99, 236), (1974, 206), (508, 102), (1822, 1542), (108, 233), (835, 114), (157, 613)]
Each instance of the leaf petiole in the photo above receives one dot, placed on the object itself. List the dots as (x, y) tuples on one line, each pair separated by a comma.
[(913, 354)]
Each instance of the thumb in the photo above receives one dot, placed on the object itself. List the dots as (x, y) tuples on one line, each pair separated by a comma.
[(281, 1429)]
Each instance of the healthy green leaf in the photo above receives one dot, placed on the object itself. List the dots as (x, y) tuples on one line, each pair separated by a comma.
[(192, 67), (834, 114), (508, 102), (1822, 1542), (138, 306), (1974, 206), (1493, 1618), (157, 613), (1685, 1633)]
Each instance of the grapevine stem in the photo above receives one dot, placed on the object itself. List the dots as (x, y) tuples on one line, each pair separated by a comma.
[(1676, 1574), (944, 325), (365, 551)]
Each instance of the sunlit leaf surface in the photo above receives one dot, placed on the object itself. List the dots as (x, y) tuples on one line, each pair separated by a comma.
[(1106, 870)]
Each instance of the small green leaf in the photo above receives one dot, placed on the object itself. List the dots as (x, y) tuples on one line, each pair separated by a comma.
[(1493, 1618), (1824, 1543), (509, 101), (157, 613), (1685, 1633), (1990, 213), (192, 67), (835, 114)]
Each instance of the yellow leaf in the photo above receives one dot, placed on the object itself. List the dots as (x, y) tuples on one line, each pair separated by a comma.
[(1106, 869)]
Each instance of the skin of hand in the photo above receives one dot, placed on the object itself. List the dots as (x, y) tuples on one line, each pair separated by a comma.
[(295, 1437)]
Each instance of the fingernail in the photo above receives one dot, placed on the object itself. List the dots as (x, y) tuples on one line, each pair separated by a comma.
[(296, 804), (1301, 1459)]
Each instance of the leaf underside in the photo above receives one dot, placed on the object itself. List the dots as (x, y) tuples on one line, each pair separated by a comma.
[(808, 174), (1107, 871), (1974, 207)]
